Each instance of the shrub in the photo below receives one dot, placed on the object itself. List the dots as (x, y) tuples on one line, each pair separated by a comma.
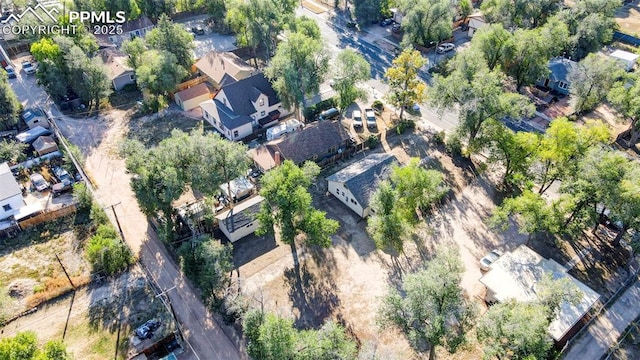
[(372, 141), (108, 255), (405, 125), (439, 137), (98, 215), (83, 196), (378, 105), (454, 146)]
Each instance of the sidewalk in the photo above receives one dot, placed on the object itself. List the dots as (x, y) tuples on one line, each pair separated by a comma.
[(607, 328)]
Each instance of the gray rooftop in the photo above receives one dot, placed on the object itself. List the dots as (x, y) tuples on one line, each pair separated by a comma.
[(362, 177), (560, 68), (8, 185)]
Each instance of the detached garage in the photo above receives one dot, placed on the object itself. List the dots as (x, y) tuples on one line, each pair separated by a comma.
[(45, 145), (191, 98), (241, 220)]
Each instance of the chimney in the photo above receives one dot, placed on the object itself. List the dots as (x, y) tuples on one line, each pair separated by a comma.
[(277, 158)]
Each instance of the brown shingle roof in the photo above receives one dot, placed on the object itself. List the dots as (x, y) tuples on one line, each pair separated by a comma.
[(314, 140), (216, 64), (193, 92), (115, 62)]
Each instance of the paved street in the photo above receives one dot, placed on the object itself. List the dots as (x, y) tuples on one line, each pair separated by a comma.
[(203, 333)]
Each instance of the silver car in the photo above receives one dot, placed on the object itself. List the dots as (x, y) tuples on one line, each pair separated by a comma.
[(39, 182), (490, 258)]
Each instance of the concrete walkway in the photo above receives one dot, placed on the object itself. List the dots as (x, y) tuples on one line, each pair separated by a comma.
[(607, 328)]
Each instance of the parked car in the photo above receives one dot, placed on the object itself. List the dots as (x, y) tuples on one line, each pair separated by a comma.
[(11, 72), (39, 182), (198, 30), (357, 119), (371, 118), (28, 67), (445, 47), (146, 330), (61, 188), (489, 259), (62, 174), (329, 114), (386, 22)]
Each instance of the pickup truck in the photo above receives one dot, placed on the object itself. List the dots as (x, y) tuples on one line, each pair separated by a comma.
[(357, 119), (371, 118)]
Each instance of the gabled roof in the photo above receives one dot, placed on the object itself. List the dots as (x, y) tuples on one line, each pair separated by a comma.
[(8, 185), (362, 177), (31, 135), (218, 65), (227, 117), (241, 215), (313, 140), (137, 24), (44, 143), (239, 94), (193, 92), (115, 61), (559, 69)]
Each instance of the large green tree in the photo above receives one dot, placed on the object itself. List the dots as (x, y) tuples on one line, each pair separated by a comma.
[(625, 95), (350, 70), (520, 13), (591, 81), (406, 89), (386, 225), (9, 104), (432, 309), (298, 68), (159, 72), (426, 21), (24, 346), (12, 151), (492, 41), (134, 48), (170, 37)]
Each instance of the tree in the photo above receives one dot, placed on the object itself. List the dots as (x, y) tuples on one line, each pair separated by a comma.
[(9, 104), (207, 263), (329, 342), (287, 206), (367, 11), (173, 38), (479, 95), (107, 253), (159, 73), (552, 293), (515, 330), (591, 24), (304, 25), (386, 226), (492, 42), (406, 88), (350, 69), (135, 48), (626, 207), (625, 95), (527, 57), (417, 188), (45, 48), (534, 214), (519, 13), (24, 346), (12, 151), (591, 80), (433, 312), (426, 21), (512, 150), (97, 86), (297, 69)]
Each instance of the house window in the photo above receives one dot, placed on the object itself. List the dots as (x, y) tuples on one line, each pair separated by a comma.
[(563, 85), (346, 199), (137, 32), (235, 133), (332, 150), (261, 102), (354, 202), (6, 207), (263, 113)]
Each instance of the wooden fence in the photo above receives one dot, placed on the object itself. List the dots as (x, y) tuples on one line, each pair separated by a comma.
[(47, 216), (189, 83)]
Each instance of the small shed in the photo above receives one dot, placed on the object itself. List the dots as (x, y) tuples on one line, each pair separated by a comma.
[(242, 220), (627, 59), (240, 188), (191, 98), (475, 22), (29, 136), (45, 145)]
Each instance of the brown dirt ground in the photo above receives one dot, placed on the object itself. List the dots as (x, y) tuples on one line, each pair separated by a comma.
[(628, 18)]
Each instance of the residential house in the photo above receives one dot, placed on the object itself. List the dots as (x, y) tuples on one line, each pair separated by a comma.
[(475, 22), (320, 142), (191, 98), (34, 117), (242, 220), (11, 200), (558, 78), (243, 105), (221, 68), (132, 29), (115, 62), (625, 58), (516, 274), (355, 184), (44, 145)]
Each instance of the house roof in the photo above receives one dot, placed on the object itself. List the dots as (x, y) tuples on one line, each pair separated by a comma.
[(624, 55), (221, 112), (43, 143), (515, 275), (8, 185), (31, 135), (241, 215), (193, 92), (137, 24), (221, 65), (362, 177), (559, 69), (314, 140), (239, 94), (115, 61)]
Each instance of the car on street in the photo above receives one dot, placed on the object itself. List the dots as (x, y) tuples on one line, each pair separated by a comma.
[(371, 118), (386, 22), (198, 30), (490, 258), (357, 119), (38, 182), (11, 72), (28, 67), (146, 330), (445, 47)]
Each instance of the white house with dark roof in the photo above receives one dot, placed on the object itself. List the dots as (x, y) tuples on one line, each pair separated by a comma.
[(241, 220), (117, 69), (243, 105), (355, 184), (11, 200)]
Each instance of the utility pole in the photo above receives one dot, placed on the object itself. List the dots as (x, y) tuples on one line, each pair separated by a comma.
[(117, 221), (65, 272)]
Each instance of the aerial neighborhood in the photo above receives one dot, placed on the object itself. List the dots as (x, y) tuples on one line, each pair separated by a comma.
[(315, 179)]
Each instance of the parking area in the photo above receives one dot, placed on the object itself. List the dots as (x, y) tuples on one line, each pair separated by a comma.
[(208, 40)]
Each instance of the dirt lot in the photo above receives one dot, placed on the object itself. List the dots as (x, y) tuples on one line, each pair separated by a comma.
[(629, 348), (628, 18)]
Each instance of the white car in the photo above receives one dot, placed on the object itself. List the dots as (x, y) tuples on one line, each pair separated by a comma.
[(28, 67), (371, 117), (357, 118), (39, 182), (490, 258), (445, 47)]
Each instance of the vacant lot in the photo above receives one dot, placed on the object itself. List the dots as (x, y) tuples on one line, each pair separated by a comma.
[(150, 131), (628, 18)]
